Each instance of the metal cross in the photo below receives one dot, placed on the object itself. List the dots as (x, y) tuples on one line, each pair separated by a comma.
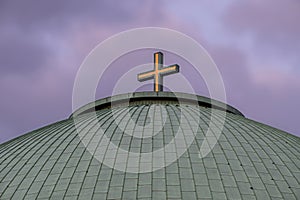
[(159, 72)]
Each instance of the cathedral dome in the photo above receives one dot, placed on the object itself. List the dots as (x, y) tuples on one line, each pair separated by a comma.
[(249, 160)]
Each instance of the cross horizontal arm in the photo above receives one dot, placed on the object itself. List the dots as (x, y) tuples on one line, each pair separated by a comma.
[(146, 76), (169, 70)]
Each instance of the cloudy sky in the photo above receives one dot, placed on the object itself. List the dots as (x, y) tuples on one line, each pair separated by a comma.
[(255, 44)]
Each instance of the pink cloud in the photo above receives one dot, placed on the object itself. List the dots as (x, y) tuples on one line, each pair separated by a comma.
[(274, 25), (275, 80), (276, 18)]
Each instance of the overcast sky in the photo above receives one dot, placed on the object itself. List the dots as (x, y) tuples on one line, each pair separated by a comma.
[(255, 44)]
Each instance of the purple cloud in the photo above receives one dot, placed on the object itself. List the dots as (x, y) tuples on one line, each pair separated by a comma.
[(274, 86), (42, 45), (274, 26)]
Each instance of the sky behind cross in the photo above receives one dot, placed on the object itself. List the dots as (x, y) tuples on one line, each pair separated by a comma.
[(255, 44)]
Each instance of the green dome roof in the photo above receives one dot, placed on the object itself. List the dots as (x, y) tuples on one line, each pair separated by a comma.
[(249, 161)]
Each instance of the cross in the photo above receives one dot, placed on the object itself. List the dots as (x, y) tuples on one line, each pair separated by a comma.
[(159, 72)]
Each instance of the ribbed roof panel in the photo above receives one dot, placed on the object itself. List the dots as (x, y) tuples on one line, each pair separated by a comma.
[(249, 161)]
